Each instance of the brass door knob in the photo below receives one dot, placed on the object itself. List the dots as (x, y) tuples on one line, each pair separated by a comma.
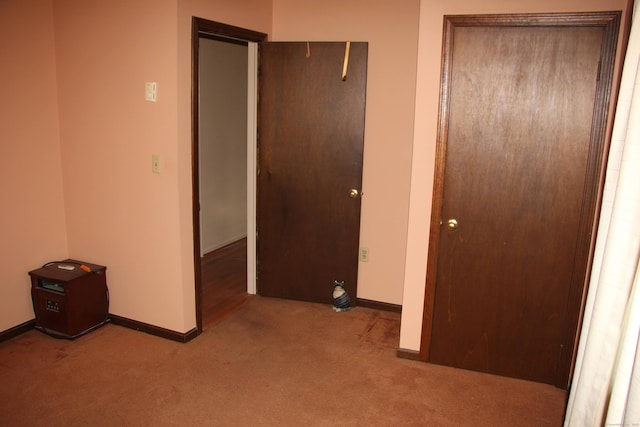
[(452, 224), (353, 193)]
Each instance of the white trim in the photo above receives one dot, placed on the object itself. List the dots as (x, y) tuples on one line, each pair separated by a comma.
[(252, 167)]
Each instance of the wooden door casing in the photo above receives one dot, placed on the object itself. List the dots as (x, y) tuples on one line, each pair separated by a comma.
[(521, 142), (216, 30), (310, 146)]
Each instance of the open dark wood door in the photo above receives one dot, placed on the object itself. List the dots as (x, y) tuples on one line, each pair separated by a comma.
[(523, 114), (310, 144)]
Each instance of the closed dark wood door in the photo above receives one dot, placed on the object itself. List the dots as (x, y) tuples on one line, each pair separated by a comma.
[(523, 150), (311, 135)]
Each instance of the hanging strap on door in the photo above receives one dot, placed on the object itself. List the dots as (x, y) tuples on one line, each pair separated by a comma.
[(345, 65)]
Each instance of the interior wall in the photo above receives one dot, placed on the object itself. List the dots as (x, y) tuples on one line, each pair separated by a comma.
[(119, 213), (223, 143), (391, 28), (139, 224), (424, 144), (79, 183), (33, 213)]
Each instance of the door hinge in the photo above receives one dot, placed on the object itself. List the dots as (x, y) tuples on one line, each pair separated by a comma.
[(599, 68), (558, 372), (561, 350)]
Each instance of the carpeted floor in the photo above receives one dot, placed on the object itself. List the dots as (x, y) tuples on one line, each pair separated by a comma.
[(272, 363)]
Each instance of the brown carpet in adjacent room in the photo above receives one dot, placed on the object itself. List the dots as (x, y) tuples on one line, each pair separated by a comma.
[(271, 363)]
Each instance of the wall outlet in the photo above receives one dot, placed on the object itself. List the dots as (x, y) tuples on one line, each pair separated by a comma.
[(364, 254), (150, 91)]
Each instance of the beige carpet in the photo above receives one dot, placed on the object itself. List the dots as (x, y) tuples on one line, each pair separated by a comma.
[(273, 362)]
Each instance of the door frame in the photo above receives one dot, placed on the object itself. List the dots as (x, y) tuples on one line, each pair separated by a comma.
[(610, 21), (205, 28)]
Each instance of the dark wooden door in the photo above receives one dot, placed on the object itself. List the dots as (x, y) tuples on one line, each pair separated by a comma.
[(524, 141), (310, 143)]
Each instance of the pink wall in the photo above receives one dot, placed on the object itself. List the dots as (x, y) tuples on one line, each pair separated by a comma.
[(427, 97), (78, 137), (32, 214), (119, 214), (391, 28)]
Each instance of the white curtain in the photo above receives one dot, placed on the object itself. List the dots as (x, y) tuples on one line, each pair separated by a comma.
[(606, 382)]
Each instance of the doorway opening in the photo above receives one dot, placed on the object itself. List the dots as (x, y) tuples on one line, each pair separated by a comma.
[(223, 167)]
